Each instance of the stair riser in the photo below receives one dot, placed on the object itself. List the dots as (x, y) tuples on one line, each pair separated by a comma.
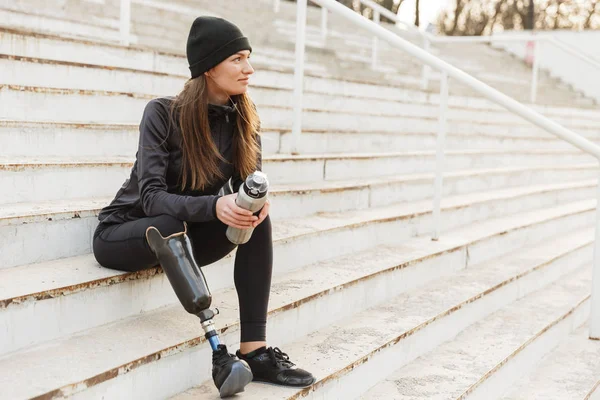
[(67, 141), (406, 95), (55, 140), (106, 79), (115, 108), (38, 183), (525, 362), (62, 238), (112, 141), (300, 321), (368, 168), (360, 104), (314, 143), (58, 26), (356, 381), (497, 246), (100, 78), (297, 252), (61, 315), (292, 205), (57, 183), (96, 11), (382, 195), (89, 53)]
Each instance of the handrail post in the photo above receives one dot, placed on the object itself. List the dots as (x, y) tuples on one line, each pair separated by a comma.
[(276, 6), (324, 13), (125, 23), (376, 19), (299, 72), (595, 301), (426, 68), (534, 70), (439, 160)]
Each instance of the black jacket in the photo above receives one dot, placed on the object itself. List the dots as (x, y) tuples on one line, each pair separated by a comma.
[(152, 188)]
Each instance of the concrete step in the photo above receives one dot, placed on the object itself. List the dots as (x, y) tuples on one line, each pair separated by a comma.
[(29, 179), (24, 140), (48, 47), (357, 142), (42, 73), (61, 25), (21, 228), (23, 43), (365, 347), (96, 141), (487, 358), (570, 371), (57, 105), (169, 339), (56, 293)]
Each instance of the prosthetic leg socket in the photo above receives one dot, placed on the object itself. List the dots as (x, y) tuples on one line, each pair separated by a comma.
[(176, 257)]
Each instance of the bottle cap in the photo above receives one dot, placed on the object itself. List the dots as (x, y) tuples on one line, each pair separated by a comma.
[(257, 184)]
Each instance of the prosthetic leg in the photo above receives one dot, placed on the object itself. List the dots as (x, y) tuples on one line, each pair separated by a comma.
[(175, 255)]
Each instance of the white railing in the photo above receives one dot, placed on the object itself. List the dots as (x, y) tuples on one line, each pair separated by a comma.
[(448, 71), (125, 23)]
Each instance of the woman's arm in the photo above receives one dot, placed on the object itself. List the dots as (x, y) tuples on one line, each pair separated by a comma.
[(153, 160)]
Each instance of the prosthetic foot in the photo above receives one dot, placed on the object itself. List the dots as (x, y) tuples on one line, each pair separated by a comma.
[(230, 374), (176, 257)]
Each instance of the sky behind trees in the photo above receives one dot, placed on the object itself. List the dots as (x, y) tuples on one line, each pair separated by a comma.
[(429, 9)]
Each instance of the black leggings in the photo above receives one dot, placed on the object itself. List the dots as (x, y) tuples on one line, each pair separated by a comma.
[(124, 247)]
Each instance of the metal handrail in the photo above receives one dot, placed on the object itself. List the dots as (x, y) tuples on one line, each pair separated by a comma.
[(125, 22), (485, 90)]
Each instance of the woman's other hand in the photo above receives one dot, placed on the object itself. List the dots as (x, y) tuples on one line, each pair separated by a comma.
[(263, 213), (232, 215)]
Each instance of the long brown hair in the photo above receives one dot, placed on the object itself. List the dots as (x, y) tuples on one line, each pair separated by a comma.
[(200, 164)]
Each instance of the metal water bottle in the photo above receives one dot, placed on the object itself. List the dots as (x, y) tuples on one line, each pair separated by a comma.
[(251, 196)]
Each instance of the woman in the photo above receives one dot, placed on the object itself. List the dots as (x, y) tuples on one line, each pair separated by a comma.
[(190, 146)]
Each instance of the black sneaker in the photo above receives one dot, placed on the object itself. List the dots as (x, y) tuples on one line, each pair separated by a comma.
[(274, 366), (229, 374)]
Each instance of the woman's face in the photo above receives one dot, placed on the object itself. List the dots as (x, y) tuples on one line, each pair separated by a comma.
[(232, 75)]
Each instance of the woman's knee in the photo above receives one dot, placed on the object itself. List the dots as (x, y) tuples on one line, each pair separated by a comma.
[(167, 224), (265, 226), (263, 232)]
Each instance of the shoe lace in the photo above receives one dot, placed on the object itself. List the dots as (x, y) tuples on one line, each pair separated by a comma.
[(280, 358), (221, 358)]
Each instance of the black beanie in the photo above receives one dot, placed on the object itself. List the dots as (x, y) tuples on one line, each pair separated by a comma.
[(211, 41)]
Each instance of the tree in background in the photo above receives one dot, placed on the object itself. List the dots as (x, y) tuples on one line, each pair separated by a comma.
[(417, 13), (483, 17), (392, 5)]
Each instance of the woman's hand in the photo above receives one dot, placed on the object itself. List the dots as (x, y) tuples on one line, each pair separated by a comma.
[(263, 213), (231, 214)]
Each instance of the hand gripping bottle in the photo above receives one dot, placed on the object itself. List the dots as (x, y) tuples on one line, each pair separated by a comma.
[(251, 196)]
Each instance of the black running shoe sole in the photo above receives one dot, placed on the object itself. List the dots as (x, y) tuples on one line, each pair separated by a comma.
[(238, 378), (264, 382)]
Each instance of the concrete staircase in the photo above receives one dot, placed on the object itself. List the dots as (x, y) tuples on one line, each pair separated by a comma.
[(361, 296)]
